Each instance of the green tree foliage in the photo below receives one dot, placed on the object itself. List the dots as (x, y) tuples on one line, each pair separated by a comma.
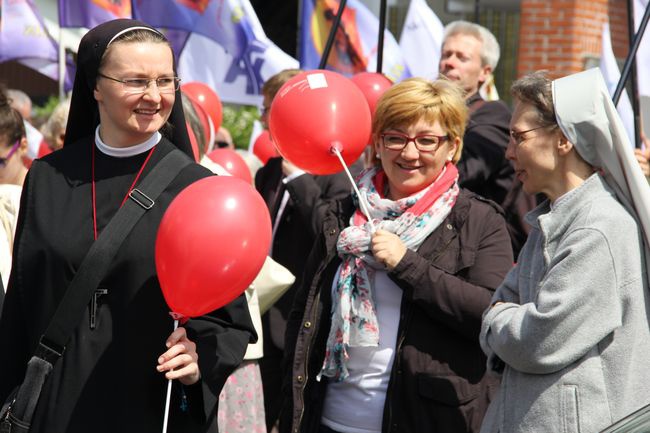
[(238, 119)]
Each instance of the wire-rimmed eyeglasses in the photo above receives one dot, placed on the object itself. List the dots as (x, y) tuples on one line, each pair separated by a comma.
[(140, 85), (14, 148), (518, 136), (423, 142)]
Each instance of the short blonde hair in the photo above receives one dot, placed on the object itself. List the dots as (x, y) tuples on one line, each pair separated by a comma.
[(56, 123), (418, 99)]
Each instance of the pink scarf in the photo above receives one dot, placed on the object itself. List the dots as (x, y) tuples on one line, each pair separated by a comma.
[(413, 219)]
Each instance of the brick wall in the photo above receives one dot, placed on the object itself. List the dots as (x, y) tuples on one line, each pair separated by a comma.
[(562, 35)]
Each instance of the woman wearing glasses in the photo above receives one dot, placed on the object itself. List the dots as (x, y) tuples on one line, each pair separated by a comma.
[(125, 116), (385, 324), (568, 328)]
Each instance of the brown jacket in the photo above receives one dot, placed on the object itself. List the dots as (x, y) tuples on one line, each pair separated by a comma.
[(438, 381)]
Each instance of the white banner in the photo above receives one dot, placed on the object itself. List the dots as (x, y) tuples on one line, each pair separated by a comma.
[(237, 66), (643, 55), (612, 75), (421, 40), (234, 81)]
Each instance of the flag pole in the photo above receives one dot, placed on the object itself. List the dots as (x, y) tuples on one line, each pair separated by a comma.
[(61, 66), (332, 35), (629, 61), (633, 78), (380, 40)]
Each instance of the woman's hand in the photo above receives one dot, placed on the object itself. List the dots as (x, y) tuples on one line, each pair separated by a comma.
[(387, 248), (181, 360), (642, 157)]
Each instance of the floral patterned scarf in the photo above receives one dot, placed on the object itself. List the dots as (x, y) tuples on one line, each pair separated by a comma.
[(413, 219)]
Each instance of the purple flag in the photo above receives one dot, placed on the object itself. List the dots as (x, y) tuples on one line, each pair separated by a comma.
[(177, 39), (223, 21), (24, 38), (22, 33), (89, 13), (355, 46)]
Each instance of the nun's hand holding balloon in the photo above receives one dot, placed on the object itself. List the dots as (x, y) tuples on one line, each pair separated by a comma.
[(180, 361)]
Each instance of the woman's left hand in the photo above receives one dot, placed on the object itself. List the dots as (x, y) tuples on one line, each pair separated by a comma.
[(181, 360), (387, 248)]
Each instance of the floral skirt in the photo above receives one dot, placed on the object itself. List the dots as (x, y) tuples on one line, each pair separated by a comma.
[(241, 402)]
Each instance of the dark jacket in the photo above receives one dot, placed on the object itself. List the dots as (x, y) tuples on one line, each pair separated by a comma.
[(484, 169), (438, 381), (294, 238)]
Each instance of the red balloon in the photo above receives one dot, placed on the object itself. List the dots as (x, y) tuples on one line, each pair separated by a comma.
[(314, 112), (211, 244), (206, 122), (232, 162), (372, 85), (264, 148), (193, 142), (208, 99)]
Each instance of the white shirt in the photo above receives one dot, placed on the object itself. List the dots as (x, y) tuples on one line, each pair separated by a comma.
[(356, 405), (125, 152)]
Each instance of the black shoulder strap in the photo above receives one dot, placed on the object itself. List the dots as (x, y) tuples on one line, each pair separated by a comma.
[(99, 257)]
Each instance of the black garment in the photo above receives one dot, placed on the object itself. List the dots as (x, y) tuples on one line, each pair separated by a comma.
[(484, 169), (438, 381), (300, 223), (2, 295), (106, 380)]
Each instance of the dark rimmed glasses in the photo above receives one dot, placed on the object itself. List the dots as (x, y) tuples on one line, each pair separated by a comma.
[(14, 148), (423, 142), (140, 85), (518, 136)]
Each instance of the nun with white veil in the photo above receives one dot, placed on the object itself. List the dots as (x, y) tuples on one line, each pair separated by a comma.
[(568, 330)]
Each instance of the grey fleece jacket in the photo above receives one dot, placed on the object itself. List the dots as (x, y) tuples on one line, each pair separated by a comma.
[(573, 326)]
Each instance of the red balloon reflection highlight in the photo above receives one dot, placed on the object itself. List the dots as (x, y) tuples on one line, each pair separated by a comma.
[(372, 85), (264, 148), (208, 99), (232, 162)]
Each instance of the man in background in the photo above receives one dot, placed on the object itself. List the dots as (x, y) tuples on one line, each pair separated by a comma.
[(469, 55)]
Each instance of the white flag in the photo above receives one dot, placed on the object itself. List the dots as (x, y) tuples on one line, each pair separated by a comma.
[(237, 67), (643, 55), (612, 75), (421, 40)]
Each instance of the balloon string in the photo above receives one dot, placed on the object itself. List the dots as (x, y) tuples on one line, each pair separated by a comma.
[(362, 198), (169, 392)]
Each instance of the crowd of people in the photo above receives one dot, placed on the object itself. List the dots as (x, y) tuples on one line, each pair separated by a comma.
[(490, 275)]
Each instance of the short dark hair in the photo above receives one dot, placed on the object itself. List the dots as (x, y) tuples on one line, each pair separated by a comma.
[(535, 89), (273, 84), (11, 122)]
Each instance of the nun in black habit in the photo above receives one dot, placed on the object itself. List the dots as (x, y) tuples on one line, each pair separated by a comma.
[(111, 377)]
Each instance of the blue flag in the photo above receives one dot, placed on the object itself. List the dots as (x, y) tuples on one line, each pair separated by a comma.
[(226, 47), (355, 44), (89, 13), (223, 21)]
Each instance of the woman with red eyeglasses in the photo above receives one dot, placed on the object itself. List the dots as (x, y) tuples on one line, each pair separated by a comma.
[(383, 335), (13, 146)]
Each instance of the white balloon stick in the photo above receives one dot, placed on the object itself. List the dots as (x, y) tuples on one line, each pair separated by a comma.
[(362, 199), (169, 393)]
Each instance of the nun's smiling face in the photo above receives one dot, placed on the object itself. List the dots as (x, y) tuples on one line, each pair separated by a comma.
[(129, 116)]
